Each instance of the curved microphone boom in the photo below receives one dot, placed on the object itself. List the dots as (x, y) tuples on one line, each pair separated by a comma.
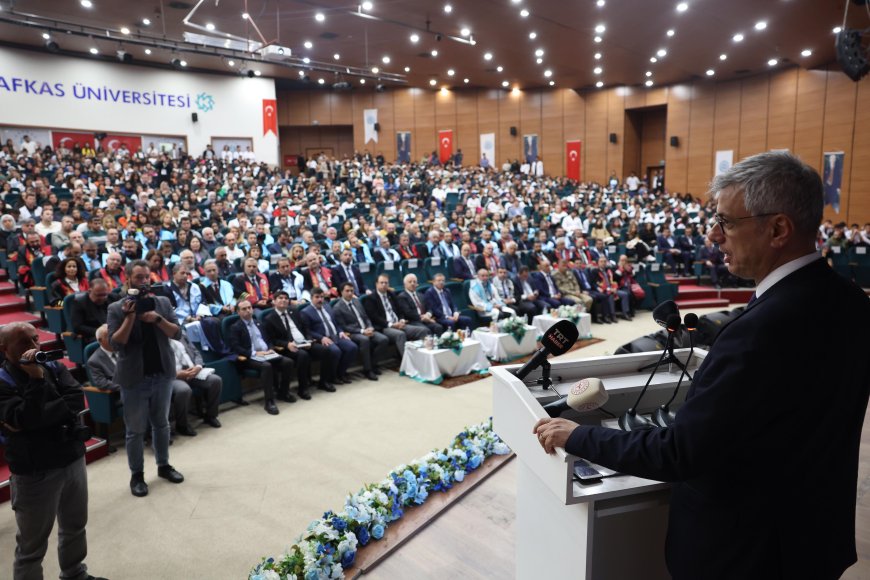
[(663, 312), (663, 416), (585, 395), (558, 339)]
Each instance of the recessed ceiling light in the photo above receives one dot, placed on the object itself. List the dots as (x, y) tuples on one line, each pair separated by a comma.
[(499, 68), (671, 32), (361, 81), (407, 69), (432, 82), (184, 63), (125, 31), (772, 62), (539, 60), (415, 38), (505, 84), (533, 35), (597, 70), (515, 90), (308, 44), (245, 15), (386, 60), (306, 60), (516, 1), (336, 56), (597, 56), (837, 30), (465, 31), (723, 56), (302, 73), (87, 3), (649, 83), (448, 8), (539, 52), (601, 3), (661, 53), (599, 84), (146, 22), (367, 6), (444, 90), (147, 51), (256, 72), (320, 81), (597, 39), (682, 6), (487, 56), (600, 29), (806, 52), (451, 72), (320, 17), (710, 72), (649, 73), (94, 50), (209, 26), (46, 35), (737, 37), (465, 81), (653, 59), (375, 70), (760, 25), (434, 53), (524, 13), (548, 73), (231, 63)]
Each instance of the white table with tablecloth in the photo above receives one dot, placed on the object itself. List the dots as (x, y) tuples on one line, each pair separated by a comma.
[(503, 347), (542, 322), (432, 365)]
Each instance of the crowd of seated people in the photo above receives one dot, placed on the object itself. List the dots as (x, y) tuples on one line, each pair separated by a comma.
[(318, 265)]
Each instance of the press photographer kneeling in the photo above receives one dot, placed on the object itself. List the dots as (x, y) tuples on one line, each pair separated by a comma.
[(40, 404)]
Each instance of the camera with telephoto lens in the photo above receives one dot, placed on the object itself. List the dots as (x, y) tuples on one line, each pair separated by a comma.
[(75, 430), (141, 296)]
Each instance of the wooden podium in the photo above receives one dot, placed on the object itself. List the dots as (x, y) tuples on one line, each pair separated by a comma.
[(612, 529)]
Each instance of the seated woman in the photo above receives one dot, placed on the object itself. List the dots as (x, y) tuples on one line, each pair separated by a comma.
[(159, 271), (72, 277), (257, 253)]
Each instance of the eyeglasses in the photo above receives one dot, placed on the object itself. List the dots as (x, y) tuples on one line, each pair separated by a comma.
[(727, 224)]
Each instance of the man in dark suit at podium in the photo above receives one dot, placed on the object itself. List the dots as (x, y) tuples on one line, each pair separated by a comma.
[(785, 384)]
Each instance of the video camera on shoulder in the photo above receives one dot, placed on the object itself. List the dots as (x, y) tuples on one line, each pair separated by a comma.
[(143, 297)]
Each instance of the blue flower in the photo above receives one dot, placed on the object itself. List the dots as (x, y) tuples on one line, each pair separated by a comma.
[(459, 474), (377, 531), (339, 524), (362, 534), (501, 449), (409, 475), (312, 574), (347, 559), (421, 496), (475, 461)]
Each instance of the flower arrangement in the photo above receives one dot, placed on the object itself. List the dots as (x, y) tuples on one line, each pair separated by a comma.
[(572, 313), (515, 326), (330, 543), (451, 340)]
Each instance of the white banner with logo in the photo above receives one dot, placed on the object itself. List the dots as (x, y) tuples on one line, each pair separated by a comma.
[(487, 147), (370, 119), (724, 161)]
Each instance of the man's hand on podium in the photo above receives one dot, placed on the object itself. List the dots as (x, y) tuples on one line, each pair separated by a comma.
[(553, 433)]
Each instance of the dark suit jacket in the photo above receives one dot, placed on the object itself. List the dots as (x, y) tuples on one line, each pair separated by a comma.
[(460, 269), (407, 308), (433, 303), (102, 370), (375, 309), (239, 341), (347, 320), (752, 423), (276, 334), (313, 325), (539, 283), (511, 263), (687, 245), (87, 317), (339, 277)]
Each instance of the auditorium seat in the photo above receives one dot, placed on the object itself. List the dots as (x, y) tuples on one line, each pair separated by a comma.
[(74, 342), (105, 406)]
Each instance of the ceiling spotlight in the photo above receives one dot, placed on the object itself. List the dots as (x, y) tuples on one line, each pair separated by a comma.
[(87, 3), (209, 26), (723, 56), (336, 56), (147, 51), (533, 35), (245, 15), (597, 39), (499, 68), (433, 82), (516, 1), (320, 17), (487, 56), (710, 72), (601, 3), (231, 63), (415, 38), (760, 25), (548, 73), (539, 60), (539, 52), (451, 72), (671, 32), (806, 52), (256, 72), (448, 8), (434, 53), (124, 56), (597, 56), (515, 91), (772, 62), (307, 44), (385, 60), (649, 83), (306, 60), (661, 53), (361, 81), (737, 37), (465, 32), (375, 70), (45, 36), (320, 81), (648, 73), (51, 46), (94, 50), (524, 13), (302, 73), (600, 29), (380, 88), (653, 59), (599, 84), (597, 70), (465, 80), (407, 69), (837, 30), (552, 83), (125, 31), (176, 62), (183, 63), (444, 90), (682, 6), (146, 22), (367, 6), (250, 75), (505, 84)]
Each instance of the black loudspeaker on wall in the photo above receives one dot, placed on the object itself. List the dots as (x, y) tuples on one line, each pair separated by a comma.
[(675, 141), (194, 117), (851, 54), (377, 127), (513, 131), (613, 137)]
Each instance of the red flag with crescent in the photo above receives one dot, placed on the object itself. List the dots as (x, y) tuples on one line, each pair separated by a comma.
[(270, 116), (445, 145), (572, 158)]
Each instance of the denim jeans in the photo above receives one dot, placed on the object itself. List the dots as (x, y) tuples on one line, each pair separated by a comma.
[(147, 402)]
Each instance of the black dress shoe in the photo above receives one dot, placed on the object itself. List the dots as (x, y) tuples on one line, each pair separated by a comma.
[(95, 578), (271, 408), (186, 431), (606, 321), (304, 394), (345, 380), (371, 376), (241, 402), (169, 473), (377, 371), (287, 398), (213, 422), (138, 487), (328, 387)]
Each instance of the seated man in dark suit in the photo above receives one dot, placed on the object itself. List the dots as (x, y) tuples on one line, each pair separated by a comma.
[(321, 327), (688, 246), (347, 271), (384, 252), (440, 303), (546, 287), (89, 309), (113, 273), (383, 311), (412, 307), (487, 259), (510, 259), (286, 280), (247, 340), (463, 265), (671, 253), (253, 286), (527, 295), (284, 332), (714, 263), (353, 320)]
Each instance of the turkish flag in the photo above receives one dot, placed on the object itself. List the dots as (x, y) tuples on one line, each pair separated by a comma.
[(572, 157), (270, 116), (114, 142), (445, 145), (70, 139)]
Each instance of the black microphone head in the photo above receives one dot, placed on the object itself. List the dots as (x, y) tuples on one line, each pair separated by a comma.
[(691, 321), (560, 337), (673, 323), (664, 310)]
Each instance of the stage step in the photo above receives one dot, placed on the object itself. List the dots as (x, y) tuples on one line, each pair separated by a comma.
[(20, 316), (48, 340), (695, 292), (7, 288), (737, 295), (681, 280), (4, 276), (12, 303), (703, 303)]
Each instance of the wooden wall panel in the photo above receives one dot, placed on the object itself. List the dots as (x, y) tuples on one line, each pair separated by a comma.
[(299, 112), (726, 121), (859, 200), (595, 144), (426, 134), (319, 108), (631, 142), (676, 158), (509, 116), (468, 137), (656, 96), (841, 93), (304, 140), (634, 98), (615, 124), (753, 116), (700, 146), (552, 132), (341, 107), (530, 120), (810, 116), (487, 121), (654, 139), (386, 144), (574, 107), (781, 110)]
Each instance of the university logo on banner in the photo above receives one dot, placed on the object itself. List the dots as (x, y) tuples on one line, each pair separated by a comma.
[(270, 116), (487, 147), (572, 160), (445, 145), (370, 119)]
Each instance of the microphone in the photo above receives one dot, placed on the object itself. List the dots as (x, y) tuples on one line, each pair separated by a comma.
[(585, 395), (663, 416), (663, 311), (558, 339), (630, 420)]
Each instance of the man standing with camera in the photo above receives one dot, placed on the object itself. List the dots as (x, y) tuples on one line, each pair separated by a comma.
[(45, 448), (140, 327)]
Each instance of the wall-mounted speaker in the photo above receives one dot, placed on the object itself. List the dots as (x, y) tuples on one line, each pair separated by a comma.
[(194, 117), (513, 131), (613, 137), (675, 141), (378, 127), (851, 54)]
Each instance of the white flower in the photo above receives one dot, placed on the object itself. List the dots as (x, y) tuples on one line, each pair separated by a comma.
[(270, 575)]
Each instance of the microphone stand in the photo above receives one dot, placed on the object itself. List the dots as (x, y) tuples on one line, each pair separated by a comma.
[(630, 420), (545, 381), (663, 416), (670, 359)]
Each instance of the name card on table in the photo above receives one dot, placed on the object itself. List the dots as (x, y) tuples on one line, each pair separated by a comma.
[(436, 261), (389, 265), (364, 267), (655, 267), (412, 262)]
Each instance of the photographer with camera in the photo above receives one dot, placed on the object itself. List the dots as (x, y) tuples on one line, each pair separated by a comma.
[(40, 404), (140, 327)]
